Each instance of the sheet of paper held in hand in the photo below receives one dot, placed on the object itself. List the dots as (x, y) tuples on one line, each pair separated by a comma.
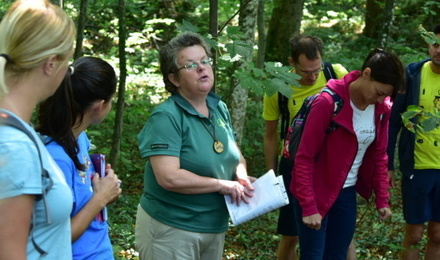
[(269, 194)]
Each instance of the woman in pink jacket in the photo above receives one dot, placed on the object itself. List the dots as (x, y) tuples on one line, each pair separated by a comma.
[(330, 166)]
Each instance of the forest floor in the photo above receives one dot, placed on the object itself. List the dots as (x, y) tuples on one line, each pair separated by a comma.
[(257, 239)]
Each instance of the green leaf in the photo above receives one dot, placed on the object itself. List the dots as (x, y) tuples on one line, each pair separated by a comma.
[(415, 118), (239, 47), (274, 85), (259, 73), (429, 37), (429, 124), (249, 82), (233, 30), (187, 26)]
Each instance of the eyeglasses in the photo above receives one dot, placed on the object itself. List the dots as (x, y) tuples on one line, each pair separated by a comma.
[(307, 73), (194, 65)]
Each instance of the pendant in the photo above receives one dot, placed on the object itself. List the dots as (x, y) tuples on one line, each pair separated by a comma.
[(218, 147)]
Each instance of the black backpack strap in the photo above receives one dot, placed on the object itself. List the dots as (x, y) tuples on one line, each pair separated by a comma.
[(46, 181), (285, 114), (329, 72)]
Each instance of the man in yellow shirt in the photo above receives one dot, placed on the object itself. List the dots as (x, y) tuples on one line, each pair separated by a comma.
[(306, 61), (419, 156)]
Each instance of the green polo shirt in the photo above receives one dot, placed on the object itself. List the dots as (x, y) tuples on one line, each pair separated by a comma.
[(175, 128)]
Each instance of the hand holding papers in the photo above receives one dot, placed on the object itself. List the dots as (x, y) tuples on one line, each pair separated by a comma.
[(269, 194)]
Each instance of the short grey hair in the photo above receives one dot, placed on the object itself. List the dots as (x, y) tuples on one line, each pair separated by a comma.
[(168, 55)]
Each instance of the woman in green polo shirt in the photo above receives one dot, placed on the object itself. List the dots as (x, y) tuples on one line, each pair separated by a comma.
[(192, 161)]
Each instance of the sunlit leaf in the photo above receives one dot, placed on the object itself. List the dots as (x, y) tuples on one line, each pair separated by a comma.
[(429, 37)]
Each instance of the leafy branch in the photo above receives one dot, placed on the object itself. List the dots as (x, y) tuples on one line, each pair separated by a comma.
[(429, 37), (415, 118)]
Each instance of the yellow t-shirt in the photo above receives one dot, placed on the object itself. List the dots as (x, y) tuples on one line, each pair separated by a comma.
[(427, 146), (271, 110)]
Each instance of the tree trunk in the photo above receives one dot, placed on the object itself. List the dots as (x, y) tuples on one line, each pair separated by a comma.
[(387, 23), (82, 17), (261, 34), (59, 2), (117, 132), (213, 30), (374, 18), (247, 22), (285, 21)]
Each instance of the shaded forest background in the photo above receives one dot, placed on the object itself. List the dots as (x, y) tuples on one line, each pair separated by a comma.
[(251, 48)]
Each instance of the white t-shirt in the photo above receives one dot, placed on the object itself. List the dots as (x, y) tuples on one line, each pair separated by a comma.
[(20, 173), (365, 129)]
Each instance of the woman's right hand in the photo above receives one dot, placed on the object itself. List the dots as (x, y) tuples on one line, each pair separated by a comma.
[(313, 221), (235, 190), (108, 188)]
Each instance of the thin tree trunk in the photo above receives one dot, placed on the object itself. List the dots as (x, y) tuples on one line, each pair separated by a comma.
[(247, 22), (80, 29), (117, 133), (213, 30), (261, 34), (387, 23)]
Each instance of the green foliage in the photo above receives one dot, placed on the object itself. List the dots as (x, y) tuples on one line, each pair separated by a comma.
[(429, 37), (152, 23), (270, 80), (415, 118), (122, 223), (249, 241), (429, 7)]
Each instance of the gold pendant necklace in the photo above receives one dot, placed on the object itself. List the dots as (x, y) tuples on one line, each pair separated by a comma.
[(218, 146)]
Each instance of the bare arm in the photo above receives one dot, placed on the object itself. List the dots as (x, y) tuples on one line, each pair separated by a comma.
[(15, 222), (171, 177), (106, 190), (242, 176), (271, 146)]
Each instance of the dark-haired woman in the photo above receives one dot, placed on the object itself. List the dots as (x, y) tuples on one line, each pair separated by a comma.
[(84, 98), (331, 165)]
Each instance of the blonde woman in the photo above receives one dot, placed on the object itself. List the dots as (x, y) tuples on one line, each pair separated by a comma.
[(36, 43)]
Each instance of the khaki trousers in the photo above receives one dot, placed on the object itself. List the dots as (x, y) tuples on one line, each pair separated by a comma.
[(157, 241)]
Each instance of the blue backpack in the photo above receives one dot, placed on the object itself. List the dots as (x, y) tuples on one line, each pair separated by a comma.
[(295, 130), (7, 119)]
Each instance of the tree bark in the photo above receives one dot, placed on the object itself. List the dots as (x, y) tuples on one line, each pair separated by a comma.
[(80, 29), (261, 34), (388, 19), (285, 21), (374, 18), (247, 22), (213, 30), (117, 132)]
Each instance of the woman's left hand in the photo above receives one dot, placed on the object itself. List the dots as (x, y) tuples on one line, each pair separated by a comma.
[(384, 213)]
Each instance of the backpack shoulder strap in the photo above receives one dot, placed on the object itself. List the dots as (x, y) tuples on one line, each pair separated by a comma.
[(338, 103), (329, 71), (46, 181), (336, 99), (285, 114)]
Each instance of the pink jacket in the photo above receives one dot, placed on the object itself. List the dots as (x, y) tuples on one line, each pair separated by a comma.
[(324, 159)]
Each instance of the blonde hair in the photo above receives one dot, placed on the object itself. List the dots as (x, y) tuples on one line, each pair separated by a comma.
[(31, 31)]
